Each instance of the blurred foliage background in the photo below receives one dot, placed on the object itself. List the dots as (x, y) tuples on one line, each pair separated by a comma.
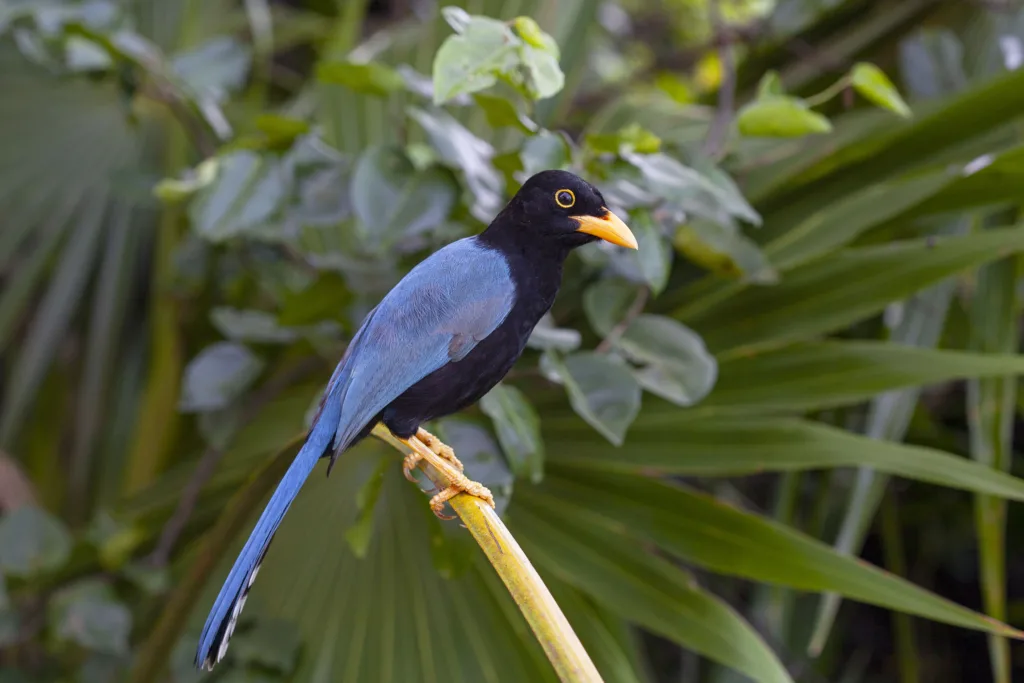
[(812, 360)]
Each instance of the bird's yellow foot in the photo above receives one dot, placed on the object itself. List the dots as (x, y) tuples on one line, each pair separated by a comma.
[(443, 459), (460, 485), (434, 444)]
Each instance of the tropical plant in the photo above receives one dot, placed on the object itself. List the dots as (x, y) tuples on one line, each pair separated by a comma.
[(196, 214)]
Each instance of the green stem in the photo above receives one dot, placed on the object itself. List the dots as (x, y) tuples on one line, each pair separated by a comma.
[(561, 645), (828, 93), (895, 561)]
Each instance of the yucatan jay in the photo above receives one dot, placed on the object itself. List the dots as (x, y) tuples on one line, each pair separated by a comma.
[(440, 340)]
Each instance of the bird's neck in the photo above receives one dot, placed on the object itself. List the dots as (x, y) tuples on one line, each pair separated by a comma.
[(519, 240), (535, 264)]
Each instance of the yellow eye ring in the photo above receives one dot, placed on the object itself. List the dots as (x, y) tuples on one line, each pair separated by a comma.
[(565, 198)]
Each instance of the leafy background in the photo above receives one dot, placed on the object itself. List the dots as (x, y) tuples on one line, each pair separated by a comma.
[(813, 357)]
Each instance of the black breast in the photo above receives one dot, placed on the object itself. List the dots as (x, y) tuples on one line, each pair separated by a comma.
[(537, 277)]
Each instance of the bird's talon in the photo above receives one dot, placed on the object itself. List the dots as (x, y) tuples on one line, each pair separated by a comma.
[(409, 464), (439, 448)]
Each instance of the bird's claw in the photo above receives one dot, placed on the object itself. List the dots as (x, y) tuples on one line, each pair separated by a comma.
[(437, 446), (457, 485), (426, 446), (409, 464)]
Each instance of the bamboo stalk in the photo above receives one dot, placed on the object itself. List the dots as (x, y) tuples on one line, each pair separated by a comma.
[(561, 645)]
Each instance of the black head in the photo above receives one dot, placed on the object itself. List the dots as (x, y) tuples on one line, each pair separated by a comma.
[(560, 207)]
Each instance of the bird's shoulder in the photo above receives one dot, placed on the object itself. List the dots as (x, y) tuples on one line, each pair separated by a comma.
[(451, 300), (462, 281)]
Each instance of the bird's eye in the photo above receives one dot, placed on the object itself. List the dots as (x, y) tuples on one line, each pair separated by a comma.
[(565, 198)]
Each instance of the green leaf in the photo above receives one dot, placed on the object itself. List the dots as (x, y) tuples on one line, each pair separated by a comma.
[(620, 574), (87, 613), (707, 193), (820, 375), (359, 534), (544, 151), (631, 138), (32, 541), (547, 336), (518, 428), (677, 366), (848, 286), (281, 130), (500, 112), (531, 33), (174, 190), (779, 116), (250, 325), (543, 76), (219, 66), (873, 84), (606, 303), (603, 392), (247, 192), (471, 60), (705, 531), (271, 643), (991, 417), (459, 148), (668, 442), (724, 250), (653, 254), (359, 628), (892, 147), (770, 85), (217, 376), (371, 78), (839, 223), (394, 200), (325, 299)]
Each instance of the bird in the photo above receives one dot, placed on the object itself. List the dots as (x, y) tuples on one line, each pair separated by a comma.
[(443, 337)]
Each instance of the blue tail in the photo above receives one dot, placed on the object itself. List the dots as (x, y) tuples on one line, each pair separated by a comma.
[(223, 617)]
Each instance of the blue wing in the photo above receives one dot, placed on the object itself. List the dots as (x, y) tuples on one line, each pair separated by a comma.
[(437, 314)]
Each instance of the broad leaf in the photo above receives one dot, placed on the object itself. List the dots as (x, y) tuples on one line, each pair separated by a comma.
[(727, 540), (501, 112), (724, 250), (518, 428), (471, 60), (601, 391), (372, 78), (873, 84), (739, 446), (640, 587), (250, 326), (88, 613), (606, 303), (392, 199), (817, 375), (248, 191), (780, 116), (462, 150), (32, 541), (830, 293), (218, 375), (547, 336), (653, 254), (677, 365)]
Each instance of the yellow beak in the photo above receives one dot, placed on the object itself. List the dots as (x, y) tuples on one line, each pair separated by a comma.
[(608, 227)]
